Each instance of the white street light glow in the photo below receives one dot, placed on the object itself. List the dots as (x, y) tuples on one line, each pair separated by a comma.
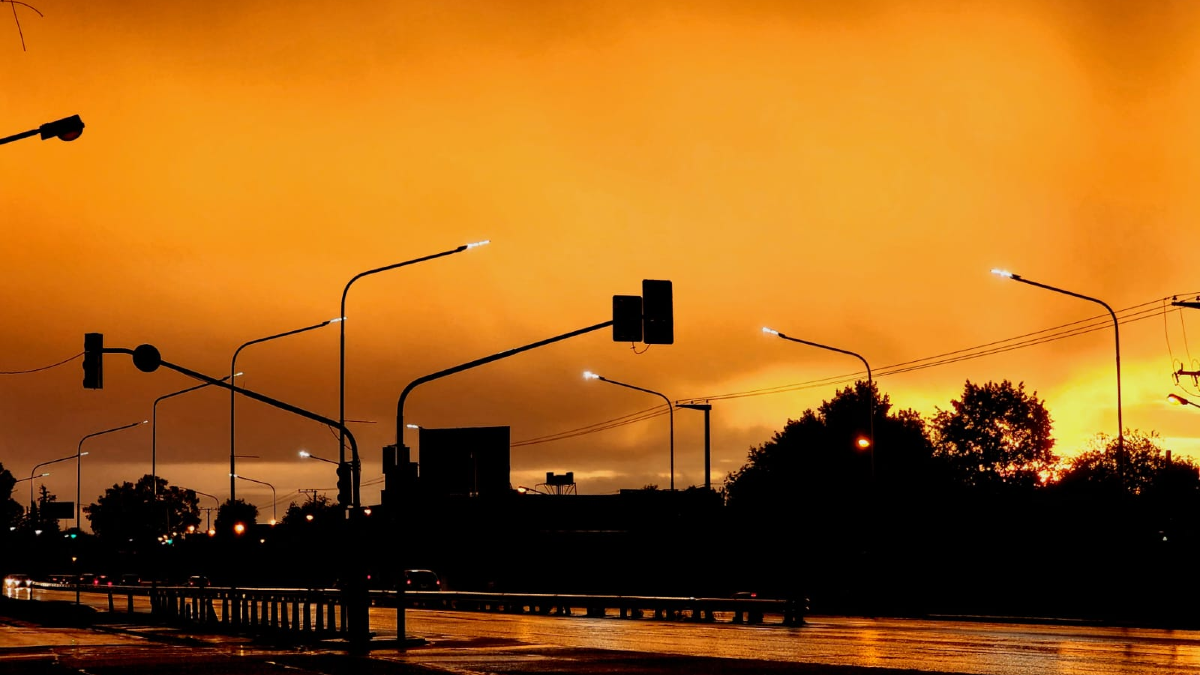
[(1003, 273), (485, 242), (772, 331), (304, 453), (340, 318), (589, 375)]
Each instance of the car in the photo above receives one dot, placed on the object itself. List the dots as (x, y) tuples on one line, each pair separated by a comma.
[(102, 580), (18, 581), (86, 579), (421, 580), (197, 581), (130, 580)]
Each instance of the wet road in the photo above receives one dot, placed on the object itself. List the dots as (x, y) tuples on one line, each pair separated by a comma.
[(942, 646), (939, 646)]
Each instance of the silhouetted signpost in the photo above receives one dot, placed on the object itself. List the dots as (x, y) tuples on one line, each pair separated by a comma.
[(654, 312)]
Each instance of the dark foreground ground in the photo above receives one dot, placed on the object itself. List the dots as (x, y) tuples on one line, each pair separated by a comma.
[(50, 644)]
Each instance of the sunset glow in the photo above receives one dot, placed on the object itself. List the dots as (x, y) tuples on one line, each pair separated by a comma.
[(847, 171)]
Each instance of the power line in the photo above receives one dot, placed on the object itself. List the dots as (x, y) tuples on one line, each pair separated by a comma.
[(36, 370), (1140, 312)]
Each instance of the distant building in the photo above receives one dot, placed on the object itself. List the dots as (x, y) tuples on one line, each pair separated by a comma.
[(470, 461)]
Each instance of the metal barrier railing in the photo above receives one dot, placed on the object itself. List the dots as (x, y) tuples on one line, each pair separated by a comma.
[(303, 615)]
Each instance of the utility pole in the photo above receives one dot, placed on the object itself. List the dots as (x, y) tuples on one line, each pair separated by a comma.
[(311, 492), (707, 408), (1194, 374), (208, 513)]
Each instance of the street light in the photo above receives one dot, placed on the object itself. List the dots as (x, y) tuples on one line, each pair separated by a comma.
[(308, 455), (66, 129), (260, 482), (342, 341), (233, 390), (154, 429), (588, 375), (38, 466), (862, 443), (30, 479), (1116, 333), (1176, 399), (79, 463)]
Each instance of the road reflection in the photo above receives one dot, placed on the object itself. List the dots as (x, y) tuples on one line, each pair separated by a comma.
[(938, 646), (946, 646)]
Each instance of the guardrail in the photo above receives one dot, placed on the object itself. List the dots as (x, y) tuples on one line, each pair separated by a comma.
[(305, 615), (741, 610)]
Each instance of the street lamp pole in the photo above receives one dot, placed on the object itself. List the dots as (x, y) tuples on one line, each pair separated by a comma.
[(261, 482), (670, 411), (79, 463), (870, 387), (402, 450), (1116, 334), (154, 430), (233, 390), (30, 479), (38, 466), (342, 340), (66, 129)]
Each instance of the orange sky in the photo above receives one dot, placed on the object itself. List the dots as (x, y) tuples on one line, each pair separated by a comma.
[(846, 172)]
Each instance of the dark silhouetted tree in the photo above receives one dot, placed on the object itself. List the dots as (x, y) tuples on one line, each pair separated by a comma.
[(10, 511), (320, 507), (996, 436), (233, 512), (817, 456), (128, 512), (36, 519), (1147, 470), (804, 508)]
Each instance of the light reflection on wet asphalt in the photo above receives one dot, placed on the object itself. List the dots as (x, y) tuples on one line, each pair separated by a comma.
[(947, 646), (938, 646)]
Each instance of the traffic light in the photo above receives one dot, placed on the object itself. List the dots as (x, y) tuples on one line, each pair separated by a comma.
[(344, 495), (93, 360), (627, 318), (657, 312)]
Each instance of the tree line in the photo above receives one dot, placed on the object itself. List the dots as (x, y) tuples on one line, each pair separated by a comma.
[(970, 511)]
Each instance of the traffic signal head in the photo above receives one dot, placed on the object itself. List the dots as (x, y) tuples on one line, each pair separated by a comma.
[(343, 484), (657, 312), (627, 318), (93, 360)]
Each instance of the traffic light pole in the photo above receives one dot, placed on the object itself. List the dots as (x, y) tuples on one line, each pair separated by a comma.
[(397, 521), (147, 359)]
